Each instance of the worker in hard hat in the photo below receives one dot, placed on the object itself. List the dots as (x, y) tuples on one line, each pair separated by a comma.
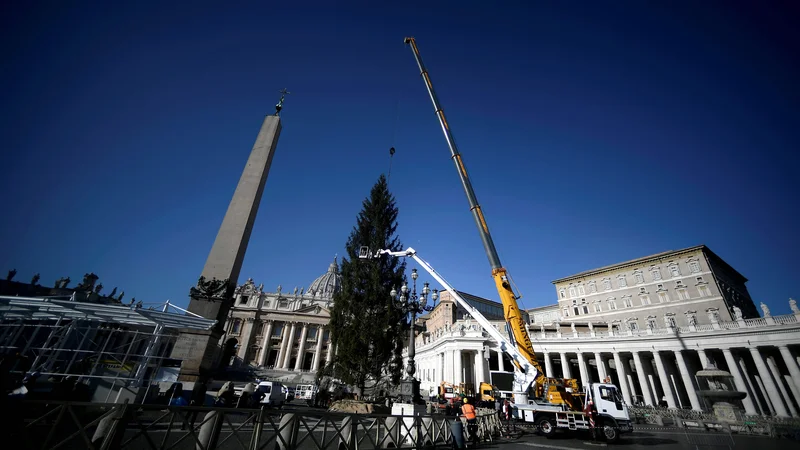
[(468, 411)]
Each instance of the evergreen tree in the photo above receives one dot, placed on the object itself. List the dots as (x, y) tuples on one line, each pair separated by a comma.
[(367, 328)]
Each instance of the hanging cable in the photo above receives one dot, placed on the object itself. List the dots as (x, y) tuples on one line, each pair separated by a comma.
[(391, 154), (394, 135)]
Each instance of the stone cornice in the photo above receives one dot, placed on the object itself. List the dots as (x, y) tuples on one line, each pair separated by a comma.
[(631, 263)]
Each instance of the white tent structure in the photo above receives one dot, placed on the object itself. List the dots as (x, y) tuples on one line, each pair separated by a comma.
[(93, 343)]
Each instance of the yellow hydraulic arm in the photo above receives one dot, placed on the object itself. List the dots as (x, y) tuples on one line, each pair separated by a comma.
[(513, 316)]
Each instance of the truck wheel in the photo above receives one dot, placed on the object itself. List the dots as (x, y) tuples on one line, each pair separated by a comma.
[(610, 432), (546, 427)]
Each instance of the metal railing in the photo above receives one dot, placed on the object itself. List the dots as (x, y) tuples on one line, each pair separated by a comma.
[(51, 425), (701, 420)]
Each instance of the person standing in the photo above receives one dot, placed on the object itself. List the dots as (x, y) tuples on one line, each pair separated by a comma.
[(468, 411)]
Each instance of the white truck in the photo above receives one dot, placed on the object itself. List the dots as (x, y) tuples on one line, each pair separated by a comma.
[(603, 407), (306, 392)]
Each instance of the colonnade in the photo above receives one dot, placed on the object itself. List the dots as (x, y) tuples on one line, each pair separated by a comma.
[(261, 344)]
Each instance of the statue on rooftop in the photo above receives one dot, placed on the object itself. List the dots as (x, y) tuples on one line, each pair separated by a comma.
[(765, 310), (737, 313)]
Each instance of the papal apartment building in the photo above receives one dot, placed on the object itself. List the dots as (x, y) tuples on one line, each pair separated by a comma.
[(649, 324)]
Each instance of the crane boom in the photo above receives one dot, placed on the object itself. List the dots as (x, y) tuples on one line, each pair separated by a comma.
[(499, 273), (526, 372)]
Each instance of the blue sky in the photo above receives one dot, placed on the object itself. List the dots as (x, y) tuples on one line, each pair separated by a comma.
[(594, 132)]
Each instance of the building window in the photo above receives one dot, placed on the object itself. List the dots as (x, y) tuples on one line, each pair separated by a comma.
[(645, 299), (704, 291), (651, 323), (581, 290), (627, 302), (592, 288), (663, 297), (563, 293), (566, 312), (572, 291), (642, 290), (607, 284), (597, 308), (679, 284), (633, 326), (659, 287), (674, 270), (694, 266), (671, 321), (682, 294), (621, 281), (699, 279), (243, 299), (584, 306), (612, 305), (236, 326), (639, 276), (656, 274)]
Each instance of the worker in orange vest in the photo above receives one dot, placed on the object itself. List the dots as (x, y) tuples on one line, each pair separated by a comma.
[(468, 410)]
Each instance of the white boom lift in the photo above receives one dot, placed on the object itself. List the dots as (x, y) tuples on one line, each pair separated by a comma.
[(604, 403), (526, 373)]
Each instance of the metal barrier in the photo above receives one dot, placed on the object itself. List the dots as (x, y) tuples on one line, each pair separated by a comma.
[(52, 425), (706, 421)]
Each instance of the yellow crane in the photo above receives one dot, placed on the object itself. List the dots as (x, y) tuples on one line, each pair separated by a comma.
[(554, 388)]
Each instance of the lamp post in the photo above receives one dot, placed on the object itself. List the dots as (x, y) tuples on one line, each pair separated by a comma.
[(414, 304)]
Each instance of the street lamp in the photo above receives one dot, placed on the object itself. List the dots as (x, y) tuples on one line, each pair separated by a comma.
[(415, 304)]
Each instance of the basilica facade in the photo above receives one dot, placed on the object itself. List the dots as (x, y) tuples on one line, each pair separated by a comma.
[(284, 334)]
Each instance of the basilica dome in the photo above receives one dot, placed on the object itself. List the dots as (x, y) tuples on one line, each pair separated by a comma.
[(328, 283)]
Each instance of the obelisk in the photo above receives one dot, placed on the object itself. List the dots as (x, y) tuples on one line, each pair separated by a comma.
[(199, 350)]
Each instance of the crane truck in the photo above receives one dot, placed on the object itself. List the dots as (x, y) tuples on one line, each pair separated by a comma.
[(606, 410), (557, 393)]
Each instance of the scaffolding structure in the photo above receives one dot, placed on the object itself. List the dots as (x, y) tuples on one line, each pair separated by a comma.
[(90, 342)]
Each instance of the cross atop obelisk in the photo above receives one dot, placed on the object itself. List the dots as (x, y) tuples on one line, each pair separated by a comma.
[(279, 106)]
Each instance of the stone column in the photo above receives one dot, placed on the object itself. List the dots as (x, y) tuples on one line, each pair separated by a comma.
[(643, 382), (246, 336), (457, 367), (763, 391), (751, 385), (500, 364), (282, 346), (565, 366), (442, 367), (601, 369), (480, 373), (298, 365), (585, 380), (318, 352), (686, 377), (623, 378), (662, 377), (548, 366), (265, 343), (769, 385), (705, 361), (776, 375), (791, 363), (733, 368), (329, 356), (289, 346)]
